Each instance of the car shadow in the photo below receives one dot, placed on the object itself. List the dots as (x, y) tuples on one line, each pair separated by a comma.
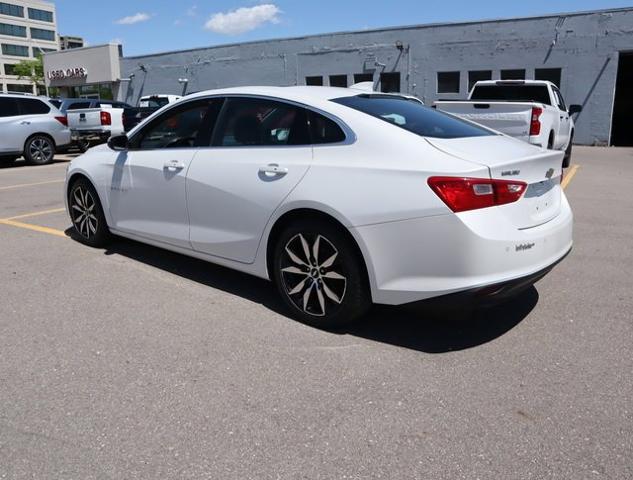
[(423, 326), (21, 162)]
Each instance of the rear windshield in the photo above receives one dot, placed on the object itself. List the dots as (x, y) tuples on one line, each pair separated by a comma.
[(154, 102), (512, 93), (413, 116)]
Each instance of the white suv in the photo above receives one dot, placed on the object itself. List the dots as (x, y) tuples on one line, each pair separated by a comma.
[(31, 126)]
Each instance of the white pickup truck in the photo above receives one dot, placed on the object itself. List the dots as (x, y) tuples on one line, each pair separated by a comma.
[(531, 110), (96, 124)]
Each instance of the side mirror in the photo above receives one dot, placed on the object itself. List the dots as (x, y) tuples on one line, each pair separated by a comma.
[(118, 143), (575, 109)]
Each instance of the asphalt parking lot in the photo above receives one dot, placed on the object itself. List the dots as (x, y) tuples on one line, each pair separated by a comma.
[(138, 363)]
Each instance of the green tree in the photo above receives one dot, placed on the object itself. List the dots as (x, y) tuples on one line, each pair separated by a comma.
[(31, 69)]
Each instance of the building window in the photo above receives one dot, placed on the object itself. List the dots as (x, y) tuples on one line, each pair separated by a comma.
[(513, 74), (41, 15), (315, 81), (551, 74), (9, 69), (390, 82), (478, 76), (15, 50), (39, 50), (18, 88), (41, 34), (13, 30), (338, 81), (363, 77), (12, 10), (447, 82)]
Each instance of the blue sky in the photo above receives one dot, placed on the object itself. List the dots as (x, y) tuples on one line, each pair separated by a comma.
[(147, 26)]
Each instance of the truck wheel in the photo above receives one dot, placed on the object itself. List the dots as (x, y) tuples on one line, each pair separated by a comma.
[(82, 145), (39, 150)]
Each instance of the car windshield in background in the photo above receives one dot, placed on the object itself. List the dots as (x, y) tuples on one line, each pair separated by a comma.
[(413, 116), (512, 93), (153, 102)]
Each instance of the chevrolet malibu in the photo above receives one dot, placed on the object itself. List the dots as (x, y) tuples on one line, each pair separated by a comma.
[(342, 199)]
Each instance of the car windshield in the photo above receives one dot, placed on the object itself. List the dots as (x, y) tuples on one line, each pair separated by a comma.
[(413, 116), (512, 93)]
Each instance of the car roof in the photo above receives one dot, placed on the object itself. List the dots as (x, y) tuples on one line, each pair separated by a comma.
[(301, 94), (515, 82)]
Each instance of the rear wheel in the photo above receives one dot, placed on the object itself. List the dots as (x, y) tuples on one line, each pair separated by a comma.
[(39, 150), (82, 145), (319, 274), (86, 214)]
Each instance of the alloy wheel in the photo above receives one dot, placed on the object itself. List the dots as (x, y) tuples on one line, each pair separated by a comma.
[(312, 276), (41, 150), (83, 212)]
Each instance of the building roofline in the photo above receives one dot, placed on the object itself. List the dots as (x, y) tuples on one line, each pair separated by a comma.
[(88, 47), (390, 29)]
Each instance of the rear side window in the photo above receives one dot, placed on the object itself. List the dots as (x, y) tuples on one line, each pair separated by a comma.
[(512, 93), (324, 130), (56, 103), (8, 107), (413, 116), (261, 122), (32, 106)]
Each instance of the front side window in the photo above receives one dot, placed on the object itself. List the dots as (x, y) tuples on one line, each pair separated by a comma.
[(8, 107), (185, 126), (32, 106), (559, 100), (261, 122), (412, 116)]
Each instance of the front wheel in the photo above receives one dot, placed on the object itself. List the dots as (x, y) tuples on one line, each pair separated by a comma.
[(320, 275), (39, 150), (87, 215)]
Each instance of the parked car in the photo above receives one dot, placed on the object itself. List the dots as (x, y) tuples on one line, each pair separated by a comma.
[(531, 110), (157, 101), (95, 124), (82, 142), (341, 198), (32, 127)]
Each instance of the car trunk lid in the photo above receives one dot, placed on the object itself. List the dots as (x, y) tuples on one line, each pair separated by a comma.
[(511, 159)]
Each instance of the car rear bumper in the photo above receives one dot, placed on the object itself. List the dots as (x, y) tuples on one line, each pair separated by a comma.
[(430, 257)]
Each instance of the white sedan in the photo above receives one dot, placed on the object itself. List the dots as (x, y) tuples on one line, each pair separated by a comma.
[(340, 198)]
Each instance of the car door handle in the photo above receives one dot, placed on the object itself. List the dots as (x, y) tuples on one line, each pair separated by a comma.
[(273, 169), (25, 122), (174, 165)]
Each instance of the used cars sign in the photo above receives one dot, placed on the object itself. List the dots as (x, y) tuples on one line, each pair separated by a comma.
[(78, 72)]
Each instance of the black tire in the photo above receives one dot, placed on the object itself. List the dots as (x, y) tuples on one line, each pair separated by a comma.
[(39, 150), (7, 161), (567, 157), (330, 291), (89, 223), (82, 145)]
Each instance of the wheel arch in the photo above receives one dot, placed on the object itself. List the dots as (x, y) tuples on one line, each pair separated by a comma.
[(303, 213), (78, 174)]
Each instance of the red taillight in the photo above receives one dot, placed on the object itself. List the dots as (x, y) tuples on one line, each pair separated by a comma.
[(106, 118), (535, 123), (62, 120), (462, 194)]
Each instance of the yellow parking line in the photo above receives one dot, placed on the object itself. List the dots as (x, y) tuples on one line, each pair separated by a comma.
[(570, 175), (36, 228), (30, 184), (36, 214)]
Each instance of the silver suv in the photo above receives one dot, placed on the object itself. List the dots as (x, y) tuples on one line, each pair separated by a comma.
[(31, 126)]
